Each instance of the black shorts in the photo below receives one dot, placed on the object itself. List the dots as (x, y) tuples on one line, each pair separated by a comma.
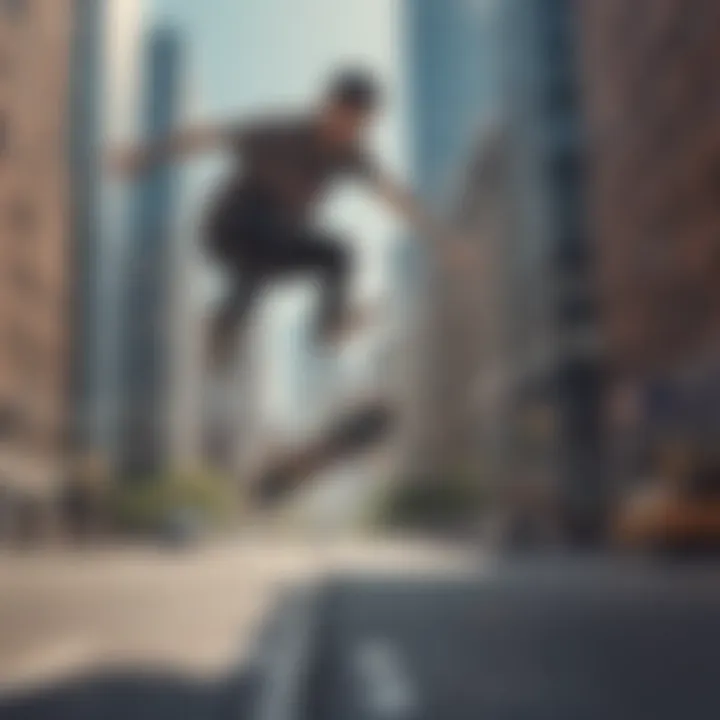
[(256, 237), (249, 227)]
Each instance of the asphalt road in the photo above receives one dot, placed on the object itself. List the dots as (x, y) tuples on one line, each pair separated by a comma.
[(552, 641), (364, 632)]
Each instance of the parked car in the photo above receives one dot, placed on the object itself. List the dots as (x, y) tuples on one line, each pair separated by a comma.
[(678, 510)]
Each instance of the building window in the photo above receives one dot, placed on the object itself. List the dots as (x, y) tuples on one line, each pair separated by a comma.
[(577, 310), (10, 419), (14, 9), (561, 98), (22, 218), (565, 169), (573, 254), (559, 34), (28, 358), (26, 281), (4, 134)]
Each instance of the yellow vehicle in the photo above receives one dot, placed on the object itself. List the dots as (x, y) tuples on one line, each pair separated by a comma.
[(680, 509)]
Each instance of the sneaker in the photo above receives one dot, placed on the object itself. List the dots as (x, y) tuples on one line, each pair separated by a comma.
[(220, 349)]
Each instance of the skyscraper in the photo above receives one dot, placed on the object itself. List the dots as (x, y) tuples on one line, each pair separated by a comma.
[(512, 336), (147, 322), (553, 309), (88, 66), (451, 59), (450, 51), (651, 88)]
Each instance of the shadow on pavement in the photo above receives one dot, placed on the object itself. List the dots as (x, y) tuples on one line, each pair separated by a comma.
[(532, 642), (137, 694), (151, 693)]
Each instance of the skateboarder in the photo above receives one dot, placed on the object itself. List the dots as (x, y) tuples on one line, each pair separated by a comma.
[(259, 225)]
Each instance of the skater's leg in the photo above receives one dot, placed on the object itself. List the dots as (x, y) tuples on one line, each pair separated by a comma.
[(230, 317), (331, 263), (237, 241), (227, 328)]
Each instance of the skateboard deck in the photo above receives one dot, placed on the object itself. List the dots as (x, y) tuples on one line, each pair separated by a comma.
[(349, 434)]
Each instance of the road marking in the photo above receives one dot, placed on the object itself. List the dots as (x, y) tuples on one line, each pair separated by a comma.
[(385, 680), (51, 662), (286, 665)]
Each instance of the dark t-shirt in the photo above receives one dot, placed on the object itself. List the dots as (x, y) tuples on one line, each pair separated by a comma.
[(284, 163)]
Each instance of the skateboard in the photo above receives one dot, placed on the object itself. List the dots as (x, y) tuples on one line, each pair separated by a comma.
[(349, 434)]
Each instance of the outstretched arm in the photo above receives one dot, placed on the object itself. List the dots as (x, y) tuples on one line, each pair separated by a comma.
[(405, 204), (457, 249), (177, 146)]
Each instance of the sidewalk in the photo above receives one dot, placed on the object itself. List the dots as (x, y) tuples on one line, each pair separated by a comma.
[(199, 611)]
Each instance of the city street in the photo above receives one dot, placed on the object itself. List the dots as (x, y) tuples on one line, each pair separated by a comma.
[(279, 273), (156, 633), (357, 630), (189, 610), (553, 641)]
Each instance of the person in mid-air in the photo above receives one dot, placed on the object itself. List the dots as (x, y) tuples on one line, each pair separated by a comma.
[(259, 225)]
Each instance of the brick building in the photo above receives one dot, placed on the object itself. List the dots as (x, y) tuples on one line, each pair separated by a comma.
[(652, 99), (35, 40), (651, 93)]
